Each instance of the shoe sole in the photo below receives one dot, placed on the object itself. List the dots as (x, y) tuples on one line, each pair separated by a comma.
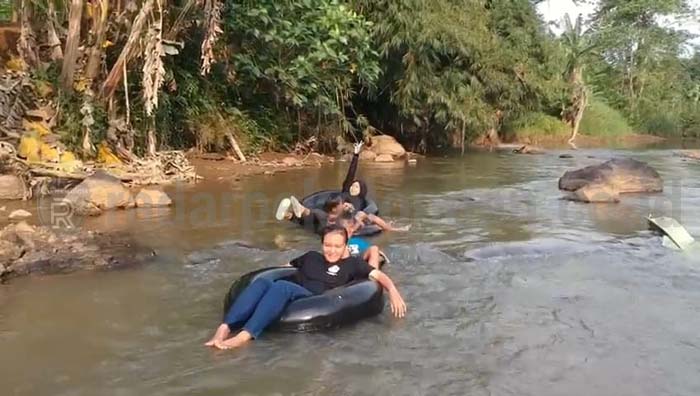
[(282, 209), (296, 207)]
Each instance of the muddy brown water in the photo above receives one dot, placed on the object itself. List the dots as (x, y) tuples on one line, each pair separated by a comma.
[(511, 291)]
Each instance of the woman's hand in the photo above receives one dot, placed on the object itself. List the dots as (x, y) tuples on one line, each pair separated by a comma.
[(398, 306), (357, 148)]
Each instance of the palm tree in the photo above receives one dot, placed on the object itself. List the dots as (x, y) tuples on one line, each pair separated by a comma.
[(577, 45)]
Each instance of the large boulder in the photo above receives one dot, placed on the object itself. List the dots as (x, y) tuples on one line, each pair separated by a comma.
[(291, 161), (384, 144), (19, 214), (99, 192), (367, 155), (596, 193), (152, 197), (11, 187), (623, 175), (384, 158)]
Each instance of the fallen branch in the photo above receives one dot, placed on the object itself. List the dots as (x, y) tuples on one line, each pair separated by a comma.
[(235, 146)]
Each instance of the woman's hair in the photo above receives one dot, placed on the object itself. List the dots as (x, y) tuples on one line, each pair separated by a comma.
[(330, 204), (333, 229)]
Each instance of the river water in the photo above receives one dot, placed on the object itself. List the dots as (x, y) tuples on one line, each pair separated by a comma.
[(511, 291)]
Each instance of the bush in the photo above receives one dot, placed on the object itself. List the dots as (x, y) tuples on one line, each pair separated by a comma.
[(691, 124), (662, 124), (600, 119), (534, 125)]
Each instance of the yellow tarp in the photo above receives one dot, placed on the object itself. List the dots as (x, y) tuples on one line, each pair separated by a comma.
[(37, 127), (29, 148), (48, 153), (107, 156)]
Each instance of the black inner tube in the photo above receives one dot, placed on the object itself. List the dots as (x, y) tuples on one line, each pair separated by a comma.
[(318, 199), (334, 308)]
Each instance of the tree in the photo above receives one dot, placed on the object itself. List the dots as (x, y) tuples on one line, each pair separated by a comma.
[(454, 65), (577, 46), (634, 44)]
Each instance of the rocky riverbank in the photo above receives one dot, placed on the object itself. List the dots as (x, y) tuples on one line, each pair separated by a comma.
[(26, 249)]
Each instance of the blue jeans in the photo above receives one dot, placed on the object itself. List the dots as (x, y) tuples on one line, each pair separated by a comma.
[(261, 303)]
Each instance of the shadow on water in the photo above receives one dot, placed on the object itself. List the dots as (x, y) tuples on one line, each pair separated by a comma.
[(511, 291)]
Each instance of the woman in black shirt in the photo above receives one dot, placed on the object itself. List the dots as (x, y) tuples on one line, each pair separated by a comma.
[(263, 301)]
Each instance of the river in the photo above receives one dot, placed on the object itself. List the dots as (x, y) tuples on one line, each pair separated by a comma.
[(511, 291)]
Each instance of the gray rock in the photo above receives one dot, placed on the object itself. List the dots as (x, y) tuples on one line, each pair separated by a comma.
[(622, 175), (11, 187), (19, 214)]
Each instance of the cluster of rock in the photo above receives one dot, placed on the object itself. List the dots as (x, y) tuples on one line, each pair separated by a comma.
[(102, 191), (28, 249)]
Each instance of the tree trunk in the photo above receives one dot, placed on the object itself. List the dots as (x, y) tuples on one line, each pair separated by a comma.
[(87, 146), (99, 27), (583, 102), (72, 42), (151, 143), (15, 14), (462, 138), (579, 101), (26, 44), (53, 41), (236, 148), (115, 74)]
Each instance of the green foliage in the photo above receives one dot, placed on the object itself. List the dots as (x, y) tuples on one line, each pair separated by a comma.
[(6, 7), (662, 125), (304, 55), (602, 120), (446, 68), (535, 125), (420, 70), (640, 70)]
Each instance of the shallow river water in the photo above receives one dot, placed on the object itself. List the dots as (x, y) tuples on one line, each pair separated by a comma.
[(511, 291)]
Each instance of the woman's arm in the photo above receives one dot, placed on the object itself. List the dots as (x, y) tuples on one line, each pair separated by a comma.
[(350, 177), (398, 306)]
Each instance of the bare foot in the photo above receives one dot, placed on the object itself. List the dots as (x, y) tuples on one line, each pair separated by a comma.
[(221, 333), (239, 340)]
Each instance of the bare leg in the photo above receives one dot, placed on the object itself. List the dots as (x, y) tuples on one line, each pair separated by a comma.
[(298, 209), (222, 332), (372, 256), (234, 342), (384, 225)]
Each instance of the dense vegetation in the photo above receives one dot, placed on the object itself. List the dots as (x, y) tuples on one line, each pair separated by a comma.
[(191, 73)]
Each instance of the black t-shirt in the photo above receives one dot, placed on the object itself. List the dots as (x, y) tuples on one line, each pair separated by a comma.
[(359, 203), (318, 275)]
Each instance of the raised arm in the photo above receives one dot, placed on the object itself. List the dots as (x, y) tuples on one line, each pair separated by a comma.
[(353, 168), (398, 306)]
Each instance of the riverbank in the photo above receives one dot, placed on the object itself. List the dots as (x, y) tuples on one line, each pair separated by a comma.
[(627, 141), (214, 166)]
